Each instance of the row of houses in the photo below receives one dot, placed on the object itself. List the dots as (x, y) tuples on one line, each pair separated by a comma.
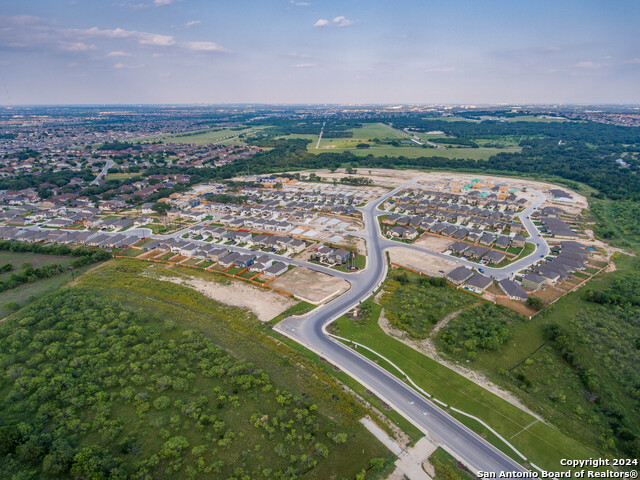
[(276, 242), (67, 237), (556, 227), (458, 232), (478, 283), (316, 194), (476, 252), (257, 262), (473, 225), (495, 199), (571, 257)]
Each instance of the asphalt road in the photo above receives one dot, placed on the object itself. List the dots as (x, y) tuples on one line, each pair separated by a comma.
[(109, 164), (309, 330)]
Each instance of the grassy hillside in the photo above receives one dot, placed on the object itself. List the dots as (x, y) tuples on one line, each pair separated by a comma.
[(123, 375), (576, 362)]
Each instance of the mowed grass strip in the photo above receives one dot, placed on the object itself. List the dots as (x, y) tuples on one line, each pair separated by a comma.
[(544, 445)]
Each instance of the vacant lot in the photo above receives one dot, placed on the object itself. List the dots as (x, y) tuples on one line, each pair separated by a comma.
[(414, 305), (265, 304), (422, 262), (310, 286), (433, 242)]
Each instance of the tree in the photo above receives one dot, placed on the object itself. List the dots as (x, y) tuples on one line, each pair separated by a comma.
[(535, 303), (161, 208), (13, 306)]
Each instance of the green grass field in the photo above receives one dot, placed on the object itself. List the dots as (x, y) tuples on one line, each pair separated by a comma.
[(120, 176), (36, 260), (215, 136), (541, 443), (415, 307), (417, 151), (29, 292)]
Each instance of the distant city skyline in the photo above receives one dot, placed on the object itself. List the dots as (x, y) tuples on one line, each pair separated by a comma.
[(335, 52)]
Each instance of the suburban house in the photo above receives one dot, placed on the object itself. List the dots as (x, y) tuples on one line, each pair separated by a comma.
[(459, 247), (494, 257), (513, 290), (533, 281), (459, 275), (276, 269), (478, 283)]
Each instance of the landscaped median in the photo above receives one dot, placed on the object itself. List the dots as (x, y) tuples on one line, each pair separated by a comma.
[(540, 443)]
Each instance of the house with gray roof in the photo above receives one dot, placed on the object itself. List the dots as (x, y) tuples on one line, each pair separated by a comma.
[(494, 257), (459, 275), (478, 283), (513, 290)]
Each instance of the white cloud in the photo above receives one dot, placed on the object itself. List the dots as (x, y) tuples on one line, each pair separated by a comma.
[(203, 47), (633, 60), (338, 21), (162, 3), (342, 22), (157, 55), (144, 38), (586, 64), (299, 4), (76, 46), (192, 23), (305, 65), (118, 53), (439, 69), (122, 66)]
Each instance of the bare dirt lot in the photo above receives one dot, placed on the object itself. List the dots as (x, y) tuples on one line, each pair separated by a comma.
[(265, 304), (515, 305), (423, 262), (433, 242), (549, 294), (310, 286)]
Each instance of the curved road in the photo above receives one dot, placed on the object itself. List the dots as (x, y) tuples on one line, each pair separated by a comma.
[(309, 330)]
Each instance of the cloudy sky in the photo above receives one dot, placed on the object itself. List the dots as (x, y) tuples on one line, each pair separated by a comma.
[(319, 51)]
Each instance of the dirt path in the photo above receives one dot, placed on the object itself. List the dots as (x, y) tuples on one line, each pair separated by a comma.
[(426, 347), (443, 323)]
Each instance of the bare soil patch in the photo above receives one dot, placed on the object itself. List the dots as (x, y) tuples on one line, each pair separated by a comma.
[(549, 294), (422, 262), (515, 305), (434, 242), (311, 286), (265, 304)]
